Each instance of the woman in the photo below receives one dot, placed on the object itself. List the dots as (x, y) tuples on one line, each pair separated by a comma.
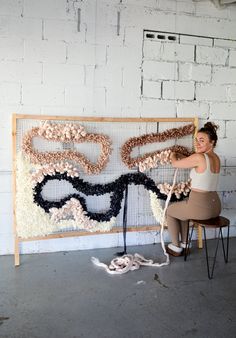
[(203, 201)]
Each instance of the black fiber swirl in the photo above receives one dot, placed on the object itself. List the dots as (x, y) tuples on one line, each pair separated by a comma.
[(116, 190)]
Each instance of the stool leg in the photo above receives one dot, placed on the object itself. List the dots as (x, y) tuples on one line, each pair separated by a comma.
[(210, 275), (204, 232), (227, 254), (188, 242), (227, 245)]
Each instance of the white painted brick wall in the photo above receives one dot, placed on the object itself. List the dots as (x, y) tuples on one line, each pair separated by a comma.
[(185, 7), (224, 43), (192, 109), (158, 108), (211, 55), (21, 72), (168, 51), (223, 111), (122, 57), (231, 129), (232, 92), (86, 54), (78, 95), (11, 7), (10, 93), (152, 89), (155, 71), (206, 92), (207, 8), (5, 183), (232, 58), (49, 95), (195, 40), (62, 30), (11, 49), (45, 9), (45, 51), (226, 146), (104, 34), (225, 182), (133, 36), (194, 72), (205, 26), (18, 27), (52, 64), (178, 90), (224, 75), (176, 52), (65, 74)]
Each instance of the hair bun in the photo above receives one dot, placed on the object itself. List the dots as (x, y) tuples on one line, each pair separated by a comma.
[(211, 126)]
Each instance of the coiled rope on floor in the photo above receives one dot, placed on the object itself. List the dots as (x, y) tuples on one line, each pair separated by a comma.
[(128, 262)]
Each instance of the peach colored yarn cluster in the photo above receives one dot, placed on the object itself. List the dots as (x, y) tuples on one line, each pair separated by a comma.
[(51, 169), (178, 189), (152, 162), (174, 133), (37, 157), (73, 209), (65, 132)]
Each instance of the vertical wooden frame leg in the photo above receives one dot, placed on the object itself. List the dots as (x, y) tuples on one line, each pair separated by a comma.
[(199, 237), (17, 252)]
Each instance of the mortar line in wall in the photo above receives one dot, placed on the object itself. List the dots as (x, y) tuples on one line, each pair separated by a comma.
[(23, 7), (42, 29), (211, 79), (118, 23), (85, 77), (227, 59), (66, 44), (141, 86), (78, 19), (21, 94)]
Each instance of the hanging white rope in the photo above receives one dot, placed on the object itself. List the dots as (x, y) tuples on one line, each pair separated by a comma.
[(128, 262)]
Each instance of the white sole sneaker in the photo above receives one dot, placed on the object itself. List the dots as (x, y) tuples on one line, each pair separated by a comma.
[(184, 245), (174, 250)]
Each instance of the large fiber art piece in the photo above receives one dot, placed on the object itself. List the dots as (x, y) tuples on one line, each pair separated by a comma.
[(37, 170)]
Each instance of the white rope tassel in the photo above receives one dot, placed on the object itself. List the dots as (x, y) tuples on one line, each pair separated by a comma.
[(163, 220), (120, 265)]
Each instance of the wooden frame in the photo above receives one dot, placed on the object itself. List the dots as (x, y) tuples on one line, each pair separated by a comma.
[(16, 117)]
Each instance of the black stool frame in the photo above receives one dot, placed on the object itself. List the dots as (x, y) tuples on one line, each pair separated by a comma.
[(220, 236)]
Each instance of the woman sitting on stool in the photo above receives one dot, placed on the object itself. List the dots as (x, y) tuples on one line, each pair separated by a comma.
[(203, 201)]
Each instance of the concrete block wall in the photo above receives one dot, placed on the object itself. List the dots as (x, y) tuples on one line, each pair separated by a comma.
[(91, 57)]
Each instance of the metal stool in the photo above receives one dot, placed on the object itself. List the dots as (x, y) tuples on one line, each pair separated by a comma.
[(218, 222)]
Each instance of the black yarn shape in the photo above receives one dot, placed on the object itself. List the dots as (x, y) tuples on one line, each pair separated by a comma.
[(116, 189)]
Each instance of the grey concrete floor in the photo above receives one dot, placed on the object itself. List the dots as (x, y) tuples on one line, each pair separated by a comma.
[(63, 295)]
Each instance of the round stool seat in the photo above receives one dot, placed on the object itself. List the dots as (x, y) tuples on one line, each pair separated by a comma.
[(217, 222)]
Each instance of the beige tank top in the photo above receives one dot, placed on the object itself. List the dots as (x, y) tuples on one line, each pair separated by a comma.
[(207, 180)]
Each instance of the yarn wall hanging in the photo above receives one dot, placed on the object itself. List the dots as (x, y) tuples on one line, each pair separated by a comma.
[(37, 170)]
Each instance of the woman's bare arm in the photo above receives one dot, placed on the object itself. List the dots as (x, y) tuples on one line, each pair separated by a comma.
[(192, 161)]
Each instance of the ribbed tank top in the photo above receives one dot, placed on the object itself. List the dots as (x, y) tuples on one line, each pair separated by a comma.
[(207, 180)]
